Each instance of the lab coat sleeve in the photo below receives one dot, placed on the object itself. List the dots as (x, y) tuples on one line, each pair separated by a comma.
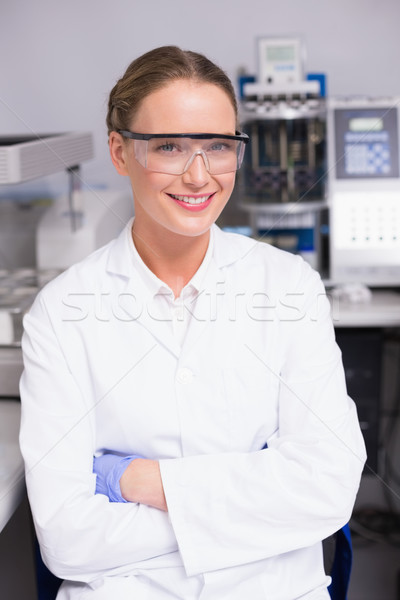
[(236, 508), (82, 535)]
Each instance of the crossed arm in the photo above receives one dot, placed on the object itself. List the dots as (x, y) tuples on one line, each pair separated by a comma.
[(130, 479)]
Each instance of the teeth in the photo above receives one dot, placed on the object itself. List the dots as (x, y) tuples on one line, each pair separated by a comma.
[(190, 199)]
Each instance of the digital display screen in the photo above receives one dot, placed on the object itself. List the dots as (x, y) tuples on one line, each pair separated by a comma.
[(366, 124), (281, 54), (366, 143)]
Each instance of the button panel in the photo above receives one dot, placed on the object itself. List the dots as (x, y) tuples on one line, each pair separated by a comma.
[(367, 220)]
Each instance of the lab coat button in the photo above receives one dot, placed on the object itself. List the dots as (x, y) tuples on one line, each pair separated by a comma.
[(184, 375)]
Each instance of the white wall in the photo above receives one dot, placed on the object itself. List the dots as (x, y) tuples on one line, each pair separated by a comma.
[(59, 60)]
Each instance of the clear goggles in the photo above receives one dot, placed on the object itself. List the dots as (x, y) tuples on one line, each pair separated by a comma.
[(173, 153)]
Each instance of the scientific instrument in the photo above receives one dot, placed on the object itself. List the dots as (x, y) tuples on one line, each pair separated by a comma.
[(280, 60), (27, 157), (38, 243), (364, 190), (284, 172)]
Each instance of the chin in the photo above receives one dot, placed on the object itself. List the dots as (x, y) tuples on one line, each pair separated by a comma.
[(193, 232), (196, 227)]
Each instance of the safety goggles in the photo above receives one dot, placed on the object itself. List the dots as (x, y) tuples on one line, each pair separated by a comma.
[(173, 153)]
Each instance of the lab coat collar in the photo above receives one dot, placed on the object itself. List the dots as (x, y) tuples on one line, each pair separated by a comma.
[(226, 250), (157, 286), (121, 263)]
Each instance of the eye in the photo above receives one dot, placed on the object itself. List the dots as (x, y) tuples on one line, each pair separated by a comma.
[(168, 147), (220, 146), (165, 146)]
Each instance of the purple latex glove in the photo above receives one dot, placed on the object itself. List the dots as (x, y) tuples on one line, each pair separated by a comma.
[(109, 469)]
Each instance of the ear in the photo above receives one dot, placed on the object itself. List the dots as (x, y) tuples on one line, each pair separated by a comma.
[(118, 152)]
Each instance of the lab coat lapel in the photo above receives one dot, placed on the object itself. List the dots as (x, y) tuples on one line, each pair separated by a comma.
[(213, 299), (203, 309), (146, 313), (134, 299)]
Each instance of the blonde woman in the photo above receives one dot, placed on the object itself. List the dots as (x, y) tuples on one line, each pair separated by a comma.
[(198, 367)]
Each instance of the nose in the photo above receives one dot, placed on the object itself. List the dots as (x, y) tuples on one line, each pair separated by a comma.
[(196, 172)]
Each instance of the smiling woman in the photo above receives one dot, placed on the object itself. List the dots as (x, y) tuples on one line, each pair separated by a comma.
[(189, 441), (169, 207)]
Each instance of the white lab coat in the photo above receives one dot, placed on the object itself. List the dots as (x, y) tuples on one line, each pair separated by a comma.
[(259, 365)]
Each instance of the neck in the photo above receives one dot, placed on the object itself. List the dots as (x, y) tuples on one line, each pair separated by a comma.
[(172, 257)]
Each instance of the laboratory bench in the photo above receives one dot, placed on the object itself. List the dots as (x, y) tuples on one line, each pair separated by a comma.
[(381, 310)]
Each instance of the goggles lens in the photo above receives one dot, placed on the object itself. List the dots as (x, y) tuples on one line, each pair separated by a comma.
[(173, 154)]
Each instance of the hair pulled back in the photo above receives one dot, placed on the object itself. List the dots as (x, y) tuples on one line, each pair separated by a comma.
[(152, 71)]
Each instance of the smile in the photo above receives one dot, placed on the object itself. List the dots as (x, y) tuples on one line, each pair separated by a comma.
[(192, 199)]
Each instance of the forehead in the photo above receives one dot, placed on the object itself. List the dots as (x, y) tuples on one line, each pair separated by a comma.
[(186, 106)]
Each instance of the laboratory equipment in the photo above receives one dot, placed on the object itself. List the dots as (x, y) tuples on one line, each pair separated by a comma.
[(283, 177), (364, 190), (285, 160), (280, 60), (99, 217), (22, 158), (27, 157), (38, 241)]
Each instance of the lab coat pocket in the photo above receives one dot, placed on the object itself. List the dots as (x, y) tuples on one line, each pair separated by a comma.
[(252, 398)]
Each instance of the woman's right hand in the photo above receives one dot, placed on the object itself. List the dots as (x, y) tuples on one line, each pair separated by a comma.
[(141, 482)]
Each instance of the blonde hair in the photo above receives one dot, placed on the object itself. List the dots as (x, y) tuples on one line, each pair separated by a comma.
[(152, 71)]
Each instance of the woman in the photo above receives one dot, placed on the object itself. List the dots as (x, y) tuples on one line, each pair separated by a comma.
[(209, 356)]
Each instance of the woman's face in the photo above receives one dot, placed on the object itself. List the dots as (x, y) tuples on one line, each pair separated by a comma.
[(162, 202)]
